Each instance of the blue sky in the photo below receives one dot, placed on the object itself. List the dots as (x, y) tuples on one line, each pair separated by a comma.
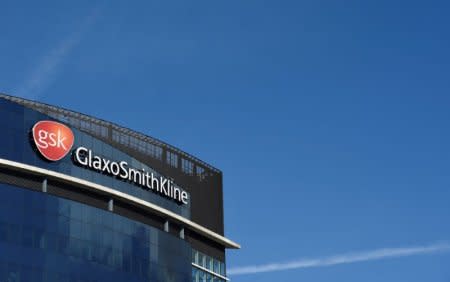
[(330, 120)]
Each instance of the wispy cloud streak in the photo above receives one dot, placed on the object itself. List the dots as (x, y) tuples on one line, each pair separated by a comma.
[(49, 65), (346, 258)]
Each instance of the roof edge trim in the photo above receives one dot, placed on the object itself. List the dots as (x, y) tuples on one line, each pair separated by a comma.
[(197, 228)]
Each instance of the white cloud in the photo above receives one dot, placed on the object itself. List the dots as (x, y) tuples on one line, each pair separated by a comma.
[(346, 258), (49, 65)]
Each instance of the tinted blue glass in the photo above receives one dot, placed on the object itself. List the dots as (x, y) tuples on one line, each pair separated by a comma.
[(46, 238)]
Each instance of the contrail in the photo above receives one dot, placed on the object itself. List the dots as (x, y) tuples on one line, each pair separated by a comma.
[(45, 72), (346, 258)]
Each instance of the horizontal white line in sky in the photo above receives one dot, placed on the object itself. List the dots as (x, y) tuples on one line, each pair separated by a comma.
[(345, 258)]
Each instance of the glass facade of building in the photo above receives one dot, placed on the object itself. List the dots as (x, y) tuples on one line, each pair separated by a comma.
[(71, 234), (50, 239), (206, 268)]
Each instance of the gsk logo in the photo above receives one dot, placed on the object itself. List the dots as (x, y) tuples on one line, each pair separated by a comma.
[(53, 139)]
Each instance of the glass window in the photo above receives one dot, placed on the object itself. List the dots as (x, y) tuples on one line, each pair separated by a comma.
[(195, 256), (154, 151), (216, 267), (172, 159), (201, 259), (222, 269), (187, 166), (208, 263), (194, 275), (202, 276), (201, 173)]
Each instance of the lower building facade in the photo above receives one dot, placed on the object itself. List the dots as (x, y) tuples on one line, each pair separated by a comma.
[(82, 199)]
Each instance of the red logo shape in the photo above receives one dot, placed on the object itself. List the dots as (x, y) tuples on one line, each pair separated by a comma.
[(53, 139)]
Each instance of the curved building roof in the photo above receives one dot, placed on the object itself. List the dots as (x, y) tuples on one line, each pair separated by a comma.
[(201, 180), (97, 126)]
